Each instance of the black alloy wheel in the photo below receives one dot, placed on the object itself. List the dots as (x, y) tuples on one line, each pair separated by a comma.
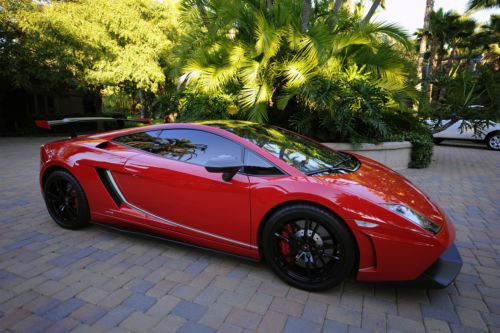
[(309, 247), (65, 200)]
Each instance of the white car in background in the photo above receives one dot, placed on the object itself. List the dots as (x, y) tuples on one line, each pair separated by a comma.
[(456, 129)]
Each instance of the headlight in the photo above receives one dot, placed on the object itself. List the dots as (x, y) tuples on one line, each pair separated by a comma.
[(414, 217)]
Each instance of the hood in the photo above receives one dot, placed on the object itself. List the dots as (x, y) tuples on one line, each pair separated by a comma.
[(379, 184)]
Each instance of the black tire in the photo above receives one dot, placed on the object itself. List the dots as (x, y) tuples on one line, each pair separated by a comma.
[(66, 201), (493, 141), (437, 141), (320, 260)]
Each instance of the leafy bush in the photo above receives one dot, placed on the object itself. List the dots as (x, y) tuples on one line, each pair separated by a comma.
[(421, 152), (345, 110), (195, 106)]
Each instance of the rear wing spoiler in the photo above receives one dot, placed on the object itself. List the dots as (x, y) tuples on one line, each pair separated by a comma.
[(70, 122)]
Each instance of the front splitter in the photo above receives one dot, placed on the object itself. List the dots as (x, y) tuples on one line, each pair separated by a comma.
[(443, 271)]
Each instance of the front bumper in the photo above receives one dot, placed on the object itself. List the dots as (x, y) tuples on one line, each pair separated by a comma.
[(443, 271)]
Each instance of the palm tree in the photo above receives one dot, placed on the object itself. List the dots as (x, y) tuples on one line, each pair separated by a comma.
[(482, 4), (373, 8), (423, 41), (266, 57)]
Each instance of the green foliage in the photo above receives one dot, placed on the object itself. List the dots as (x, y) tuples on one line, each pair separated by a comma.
[(194, 107), (355, 114), (98, 42), (271, 60), (421, 153), (462, 91)]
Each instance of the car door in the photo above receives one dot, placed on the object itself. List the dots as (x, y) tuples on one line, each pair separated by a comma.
[(454, 132), (169, 182)]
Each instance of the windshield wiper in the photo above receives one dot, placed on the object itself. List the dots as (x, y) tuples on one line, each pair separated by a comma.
[(334, 167), (330, 170)]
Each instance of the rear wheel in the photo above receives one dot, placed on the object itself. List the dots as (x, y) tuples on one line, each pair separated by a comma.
[(308, 247), (493, 141), (65, 200)]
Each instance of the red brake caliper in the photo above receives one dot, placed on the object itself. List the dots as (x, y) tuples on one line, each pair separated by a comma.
[(285, 247), (75, 198)]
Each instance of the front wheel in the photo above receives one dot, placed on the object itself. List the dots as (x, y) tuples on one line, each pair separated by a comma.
[(493, 141), (308, 247), (65, 200)]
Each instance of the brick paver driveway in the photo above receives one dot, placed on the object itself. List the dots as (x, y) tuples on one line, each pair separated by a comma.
[(99, 280)]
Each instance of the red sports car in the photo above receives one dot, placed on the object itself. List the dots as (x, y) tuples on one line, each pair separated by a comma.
[(316, 215)]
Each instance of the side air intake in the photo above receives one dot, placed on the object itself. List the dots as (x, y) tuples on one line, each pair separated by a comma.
[(109, 187)]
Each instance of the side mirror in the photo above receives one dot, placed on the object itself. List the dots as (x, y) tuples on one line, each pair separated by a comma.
[(225, 164)]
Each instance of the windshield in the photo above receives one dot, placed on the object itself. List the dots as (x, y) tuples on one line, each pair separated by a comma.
[(301, 153)]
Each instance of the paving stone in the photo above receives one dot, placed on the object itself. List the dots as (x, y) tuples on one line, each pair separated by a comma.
[(315, 312), (229, 328), (63, 326), (404, 324), (32, 323), (448, 315), (139, 302), (234, 299), (192, 327), (189, 310), (215, 315), (344, 315), (163, 306), (89, 314), (471, 318), (63, 309), (273, 321), (170, 323), (435, 325), (331, 326), (114, 317), (259, 303), (92, 295), (374, 321), (185, 291), (139, 322), (243, 318), (287, 307), (115, 298), (298, 325)]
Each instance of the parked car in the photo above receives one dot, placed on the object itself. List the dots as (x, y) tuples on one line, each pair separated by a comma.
[(316, 215), (458, 129)]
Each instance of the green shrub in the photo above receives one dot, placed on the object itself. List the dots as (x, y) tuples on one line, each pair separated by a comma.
[(421, 153)]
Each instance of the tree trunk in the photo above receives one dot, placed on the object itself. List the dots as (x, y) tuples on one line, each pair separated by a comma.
[(142, 109), (432, 64), (372, 10), (440, 56), (336, 7), (306, 13), (423, 42), (269, 4)]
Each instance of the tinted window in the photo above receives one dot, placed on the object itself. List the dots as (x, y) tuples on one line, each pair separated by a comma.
[(195, 147), (256, 165), (301, 153), (143, 140)]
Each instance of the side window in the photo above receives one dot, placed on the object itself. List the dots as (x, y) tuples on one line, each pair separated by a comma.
[(195, 147), (146, 141), (256, 165)]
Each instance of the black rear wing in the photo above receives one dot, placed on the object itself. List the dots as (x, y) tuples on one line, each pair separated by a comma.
[(71, 122)]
